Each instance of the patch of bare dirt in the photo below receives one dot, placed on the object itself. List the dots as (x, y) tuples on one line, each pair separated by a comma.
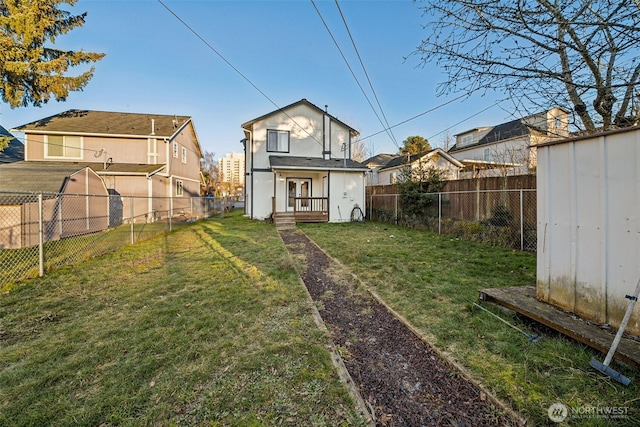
[(402, 379)]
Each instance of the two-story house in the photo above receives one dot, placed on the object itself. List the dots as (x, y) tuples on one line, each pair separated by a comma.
[(509, 148), (298, 160), (150, 156)]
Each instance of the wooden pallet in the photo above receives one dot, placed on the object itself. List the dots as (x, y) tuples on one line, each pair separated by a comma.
[(522, 299)]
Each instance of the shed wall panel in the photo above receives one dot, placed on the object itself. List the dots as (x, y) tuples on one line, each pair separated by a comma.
[(588, 225)]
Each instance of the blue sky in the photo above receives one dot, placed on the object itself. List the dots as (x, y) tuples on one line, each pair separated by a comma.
[(155, 64)]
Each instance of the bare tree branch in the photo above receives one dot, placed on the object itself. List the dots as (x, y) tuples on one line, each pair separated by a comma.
[(543, 53)]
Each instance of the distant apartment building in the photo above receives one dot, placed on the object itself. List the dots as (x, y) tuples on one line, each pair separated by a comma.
[(231, 169)]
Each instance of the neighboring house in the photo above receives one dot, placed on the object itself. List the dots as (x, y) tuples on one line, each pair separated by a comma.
[(374, 164), (62, 189), (588, 221), (508, 148), (144, 155), (437, 158), (298, 160), (14, 152)]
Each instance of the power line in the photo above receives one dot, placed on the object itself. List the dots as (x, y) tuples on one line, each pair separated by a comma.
[(386, 122), (416, 116), (213, 49), (386, 128), (464, 120)]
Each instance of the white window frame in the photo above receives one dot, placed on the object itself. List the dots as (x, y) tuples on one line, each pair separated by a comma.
[(175, 149), (179, 188), (486, 155), (184, 154), (557, 122), (65, 147), (283, 137), (466, 140)]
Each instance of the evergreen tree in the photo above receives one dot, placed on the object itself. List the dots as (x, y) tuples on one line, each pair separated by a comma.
[(31, 71), (415, 145)]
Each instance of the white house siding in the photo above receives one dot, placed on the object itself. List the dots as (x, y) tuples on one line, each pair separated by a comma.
[(506, 151), (260, 207), (346, 190), (313, 134), (589, 225)]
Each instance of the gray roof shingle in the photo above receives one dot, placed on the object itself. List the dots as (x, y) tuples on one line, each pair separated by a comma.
[(315, 163), (107, 123)]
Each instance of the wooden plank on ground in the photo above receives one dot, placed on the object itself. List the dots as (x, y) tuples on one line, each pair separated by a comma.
[(522, 299)]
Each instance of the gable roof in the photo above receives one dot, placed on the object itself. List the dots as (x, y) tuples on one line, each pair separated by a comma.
[(36, 176), (49, 177), (108, 124), (303, 101), (403, 159), (14, 152), (379, 160), (501, 132), (309, 163)]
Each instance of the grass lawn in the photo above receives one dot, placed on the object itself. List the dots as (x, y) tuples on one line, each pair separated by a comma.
[(430, 279), (208, 325)]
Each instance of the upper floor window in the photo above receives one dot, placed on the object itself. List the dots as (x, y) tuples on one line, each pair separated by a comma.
[(278, 140), (557, 122), (486, 155), (393, 178), (69, 147), (184, 155), (175, 150), (466, 140)]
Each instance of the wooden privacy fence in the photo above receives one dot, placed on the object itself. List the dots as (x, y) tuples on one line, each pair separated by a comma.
[(498, 217)]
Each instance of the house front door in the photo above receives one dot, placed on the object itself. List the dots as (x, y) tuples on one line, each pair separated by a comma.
[(298, 187)]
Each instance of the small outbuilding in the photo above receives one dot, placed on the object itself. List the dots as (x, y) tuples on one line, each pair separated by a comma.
[(72, 198), (588, 225)]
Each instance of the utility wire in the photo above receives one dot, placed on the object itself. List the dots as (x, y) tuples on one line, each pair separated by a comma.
[(465, 119), (213, 49), (386, 128), (416, 116), (386, 122)]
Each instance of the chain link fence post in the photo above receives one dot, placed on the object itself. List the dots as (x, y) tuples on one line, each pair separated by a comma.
[(395, 214), (439, 213), (521, 221), (40, 236), (170, 211), (131, 220)]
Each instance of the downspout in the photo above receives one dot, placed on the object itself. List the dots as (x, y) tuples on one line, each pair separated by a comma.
[(150, 189), (329, 194), (250, 143)]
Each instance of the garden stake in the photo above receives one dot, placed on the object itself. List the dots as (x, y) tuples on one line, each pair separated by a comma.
[(533, 338), (604, 367)]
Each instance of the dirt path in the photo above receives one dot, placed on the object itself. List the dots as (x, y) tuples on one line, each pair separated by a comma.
[(403, 381)]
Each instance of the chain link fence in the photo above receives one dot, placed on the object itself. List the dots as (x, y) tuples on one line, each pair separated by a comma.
[(40, 232), (498, 217)]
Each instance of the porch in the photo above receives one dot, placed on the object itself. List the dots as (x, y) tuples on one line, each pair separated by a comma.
[(302, 209)]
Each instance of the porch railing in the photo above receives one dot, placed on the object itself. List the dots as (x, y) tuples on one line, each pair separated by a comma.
[(310, 204)]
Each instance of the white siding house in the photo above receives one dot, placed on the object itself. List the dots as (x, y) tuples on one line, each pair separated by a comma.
[(298, 159), (436, 158), (508, 148)]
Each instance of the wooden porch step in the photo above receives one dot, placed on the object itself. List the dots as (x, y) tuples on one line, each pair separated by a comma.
[(284, 220)]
